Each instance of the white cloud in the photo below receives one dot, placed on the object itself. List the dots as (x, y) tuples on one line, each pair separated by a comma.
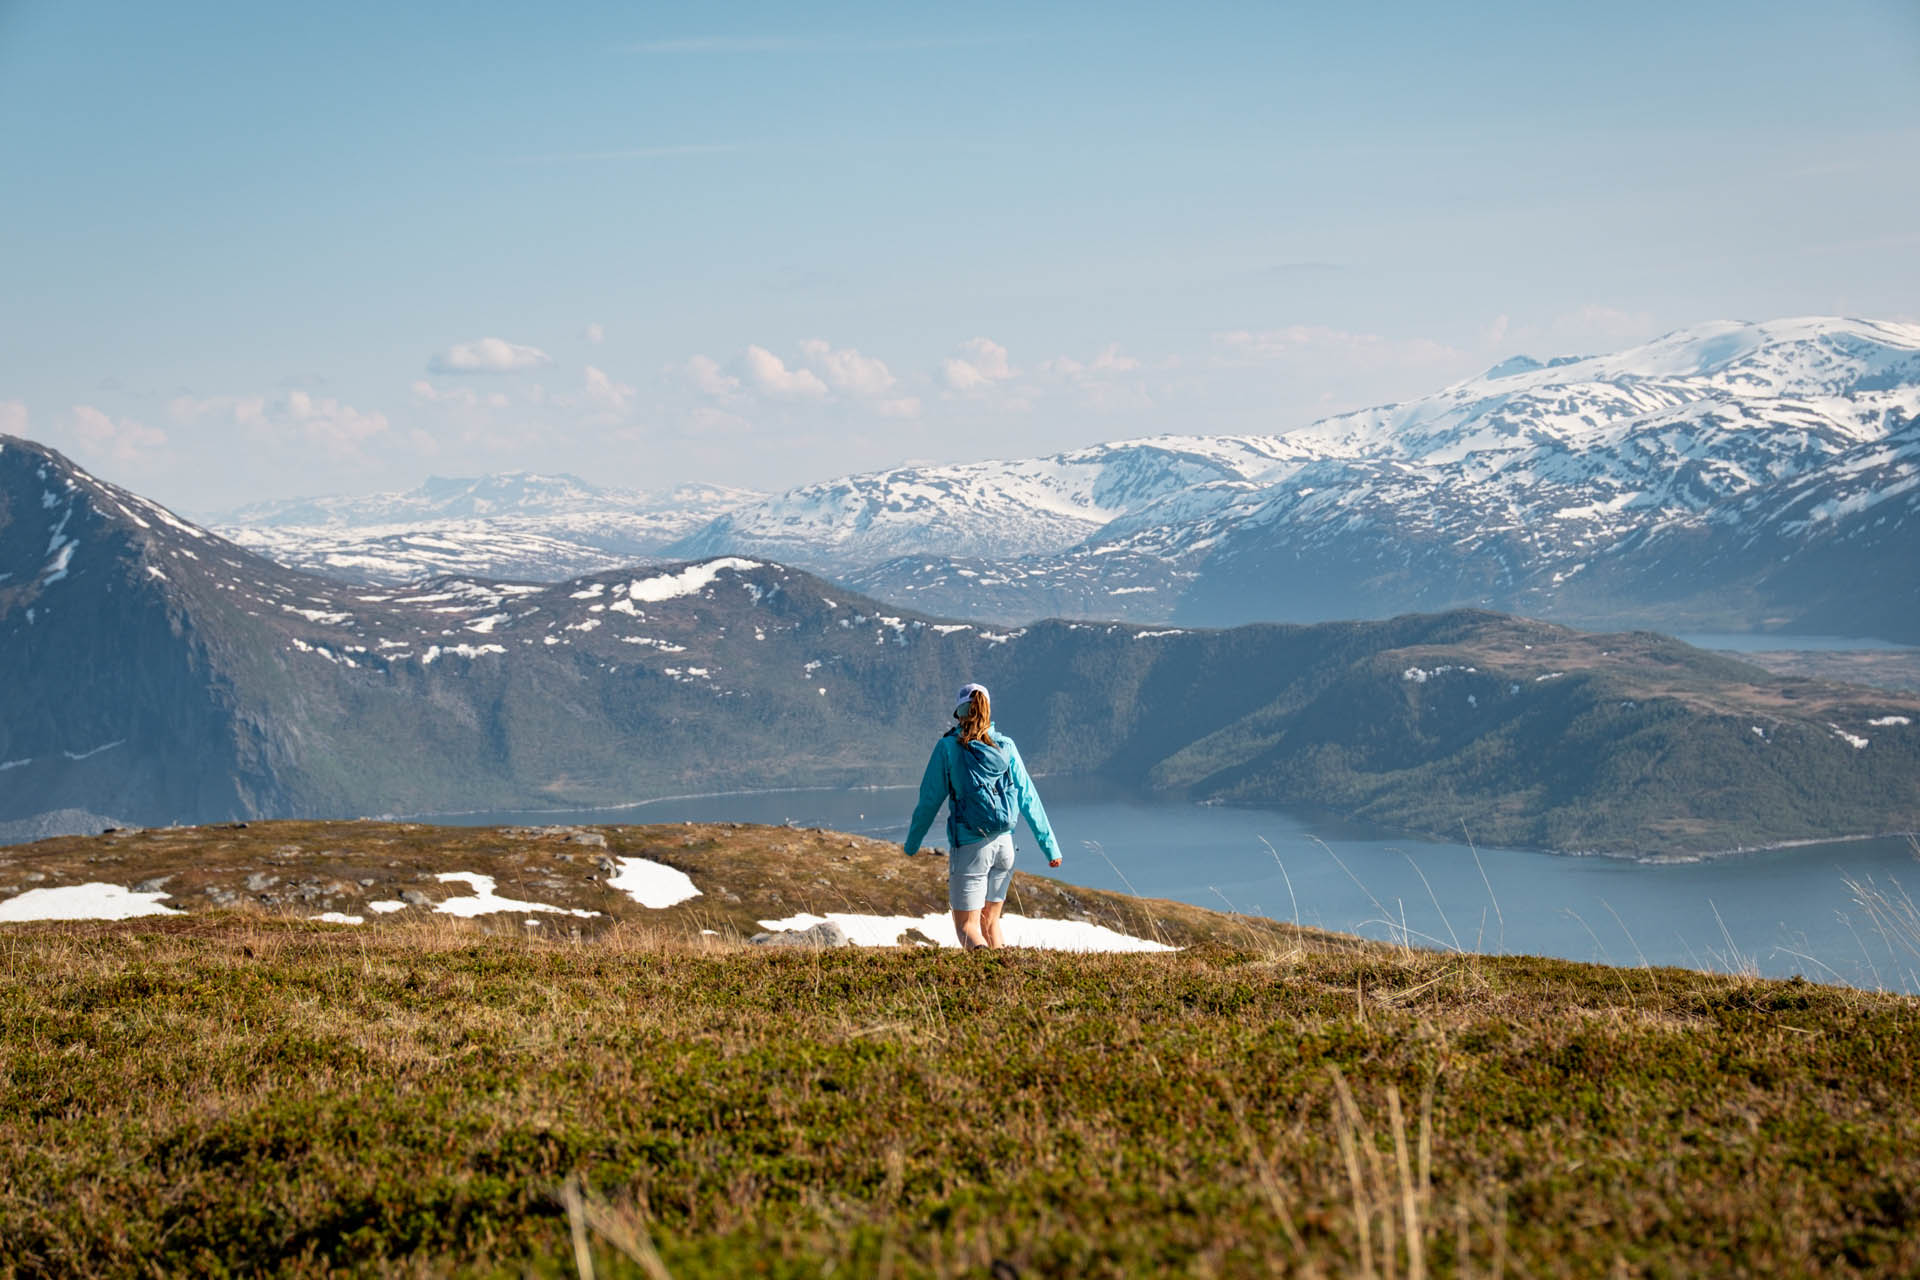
[(340, 427), (1497, 331), (461, 397), (847, 370), (901, 407), (1107, 362), (13, 417), (323, 420), (488, 355), (771, 375), (983, 362), (596, 334), (121, 439), (711, 378), (604, 393)]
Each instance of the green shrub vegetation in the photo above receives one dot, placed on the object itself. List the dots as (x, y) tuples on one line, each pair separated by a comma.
[(230, 1093)]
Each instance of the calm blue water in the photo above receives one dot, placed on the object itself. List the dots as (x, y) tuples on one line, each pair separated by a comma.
[(1782, 912), (1761, 642)]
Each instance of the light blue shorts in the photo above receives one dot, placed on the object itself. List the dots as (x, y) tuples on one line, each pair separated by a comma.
[(980, 873)]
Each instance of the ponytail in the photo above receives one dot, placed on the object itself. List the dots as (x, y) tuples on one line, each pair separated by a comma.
[(975, 718)]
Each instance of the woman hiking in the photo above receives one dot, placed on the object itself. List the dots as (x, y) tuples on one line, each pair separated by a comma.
[(976, 772)]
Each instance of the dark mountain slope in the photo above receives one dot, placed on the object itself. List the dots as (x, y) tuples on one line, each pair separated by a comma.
[(116, 686)]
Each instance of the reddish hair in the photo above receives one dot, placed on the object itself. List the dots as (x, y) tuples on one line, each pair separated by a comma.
[(975, 719)]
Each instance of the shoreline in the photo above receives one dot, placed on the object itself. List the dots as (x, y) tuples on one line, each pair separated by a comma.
[(1653, 859), (1724, 855), (1304, 815)]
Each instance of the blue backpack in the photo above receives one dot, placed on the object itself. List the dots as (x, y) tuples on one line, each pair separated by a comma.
[(983, 800)]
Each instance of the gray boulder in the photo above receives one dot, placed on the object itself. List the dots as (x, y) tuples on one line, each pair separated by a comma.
[(824, 934)]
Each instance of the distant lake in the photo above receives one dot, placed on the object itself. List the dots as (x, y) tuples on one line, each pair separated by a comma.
[(1761, 642), (1780, 912)]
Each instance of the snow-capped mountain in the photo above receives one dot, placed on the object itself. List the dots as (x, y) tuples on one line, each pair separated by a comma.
[(983, 509), (1728, 476), (158, 672), (1679, 482), (511, 525), (506, 493)]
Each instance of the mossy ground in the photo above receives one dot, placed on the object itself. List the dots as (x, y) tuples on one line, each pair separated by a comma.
[(233, 1094)]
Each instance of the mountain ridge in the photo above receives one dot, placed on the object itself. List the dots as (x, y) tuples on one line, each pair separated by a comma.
[(1502, 491), (1728, 476), (163, 674), (520, 525)]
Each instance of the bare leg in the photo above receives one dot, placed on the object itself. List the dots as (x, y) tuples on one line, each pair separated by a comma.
[(990, 924), (967, 925)]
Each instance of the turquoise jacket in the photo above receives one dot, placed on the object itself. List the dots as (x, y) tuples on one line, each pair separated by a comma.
[(936, 789)]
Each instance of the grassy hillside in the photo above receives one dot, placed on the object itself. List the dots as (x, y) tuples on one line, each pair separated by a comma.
[(1896, 669), (745, 874), (229, 1092)]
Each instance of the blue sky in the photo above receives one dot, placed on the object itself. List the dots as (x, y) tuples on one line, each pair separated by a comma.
[(262, 250)]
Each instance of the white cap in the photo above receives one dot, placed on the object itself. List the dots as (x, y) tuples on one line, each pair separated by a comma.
[(964, 698)]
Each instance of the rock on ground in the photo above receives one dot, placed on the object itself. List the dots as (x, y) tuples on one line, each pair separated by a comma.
[(824, 934)]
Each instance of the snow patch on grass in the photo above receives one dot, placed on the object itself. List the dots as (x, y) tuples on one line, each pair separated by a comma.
[(95, 901), (1021, 931), (485, 901), (652, 884)]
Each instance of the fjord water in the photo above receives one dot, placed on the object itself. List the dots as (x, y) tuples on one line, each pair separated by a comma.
[(1779, 912), (1771, 642)]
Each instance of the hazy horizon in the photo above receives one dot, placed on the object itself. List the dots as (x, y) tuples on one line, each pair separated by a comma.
[(280, 253)]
